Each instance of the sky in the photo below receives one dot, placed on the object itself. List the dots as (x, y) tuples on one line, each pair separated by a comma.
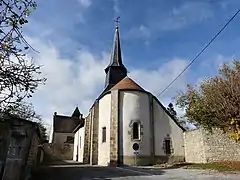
[(158, 39)]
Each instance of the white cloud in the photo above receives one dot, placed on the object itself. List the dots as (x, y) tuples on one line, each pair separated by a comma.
[(212, 64), (142, 32), (188, 13), (80, 18), (70, 82), (85, 3), (116, 8), (156, 80), (224, 5), (177, 18)]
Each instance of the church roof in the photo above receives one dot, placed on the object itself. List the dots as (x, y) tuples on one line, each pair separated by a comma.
[(127, 83)]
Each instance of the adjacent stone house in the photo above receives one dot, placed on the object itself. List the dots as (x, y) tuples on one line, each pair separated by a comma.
[(63, 126), (19, 141)]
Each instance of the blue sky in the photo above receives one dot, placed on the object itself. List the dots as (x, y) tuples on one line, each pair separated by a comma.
[(158, 38)]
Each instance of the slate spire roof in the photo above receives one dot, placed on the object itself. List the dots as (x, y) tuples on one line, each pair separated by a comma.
[(115, 71), (116, 54)]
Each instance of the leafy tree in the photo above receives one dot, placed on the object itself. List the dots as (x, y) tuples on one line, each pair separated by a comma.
[(43, 131), (215, 102), (180, 120), (171, 110), (19, 76)]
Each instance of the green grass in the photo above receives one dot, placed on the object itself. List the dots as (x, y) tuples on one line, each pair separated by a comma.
[(218, 166)]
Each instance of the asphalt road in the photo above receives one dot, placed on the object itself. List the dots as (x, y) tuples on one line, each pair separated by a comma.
[(82, 172)]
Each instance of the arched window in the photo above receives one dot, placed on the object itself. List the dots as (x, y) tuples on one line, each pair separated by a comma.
[(136, 130)]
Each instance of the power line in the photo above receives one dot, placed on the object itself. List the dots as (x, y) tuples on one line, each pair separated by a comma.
[(208, 44)]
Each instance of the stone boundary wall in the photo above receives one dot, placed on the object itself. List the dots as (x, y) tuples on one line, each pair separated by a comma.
[(202, 146), (57, 152)]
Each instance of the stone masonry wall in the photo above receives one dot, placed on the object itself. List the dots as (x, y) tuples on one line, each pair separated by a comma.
[(94, 143), (23, 142), (57, 152), (31, 163), (202, 146), (114, 128), (219, 147), (194, 148), (32, 155), (86, 148)]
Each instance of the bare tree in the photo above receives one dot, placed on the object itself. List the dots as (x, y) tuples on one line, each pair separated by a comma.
[(19, 76), (25, 111)]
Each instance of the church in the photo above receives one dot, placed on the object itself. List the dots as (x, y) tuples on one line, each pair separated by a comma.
[(126, 124)]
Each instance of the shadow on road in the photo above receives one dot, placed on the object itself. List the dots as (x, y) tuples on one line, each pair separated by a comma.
[(72, 171)]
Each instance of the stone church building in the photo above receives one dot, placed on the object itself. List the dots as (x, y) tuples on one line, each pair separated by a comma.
[(125, 114)]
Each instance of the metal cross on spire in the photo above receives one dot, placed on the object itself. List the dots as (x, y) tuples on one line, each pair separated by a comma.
[(117, 21)]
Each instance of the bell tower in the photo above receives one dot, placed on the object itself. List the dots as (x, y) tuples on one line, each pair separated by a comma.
[(115, 71)]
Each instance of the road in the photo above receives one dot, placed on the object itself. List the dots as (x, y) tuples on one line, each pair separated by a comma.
[(82, 172)]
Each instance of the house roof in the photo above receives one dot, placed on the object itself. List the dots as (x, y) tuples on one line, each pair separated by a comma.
[(81, 124), (127, 83), (76, 113), (65, 124)]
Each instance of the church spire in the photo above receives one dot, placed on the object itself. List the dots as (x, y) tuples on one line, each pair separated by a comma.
[(115, 71)]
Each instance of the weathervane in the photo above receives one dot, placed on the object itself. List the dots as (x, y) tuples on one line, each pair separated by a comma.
[(117, 21)]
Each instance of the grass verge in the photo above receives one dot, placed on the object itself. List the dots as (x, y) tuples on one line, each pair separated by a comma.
[(218, 166), (225, 166)]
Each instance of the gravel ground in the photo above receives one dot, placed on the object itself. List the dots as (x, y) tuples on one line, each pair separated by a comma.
[(82, 172)]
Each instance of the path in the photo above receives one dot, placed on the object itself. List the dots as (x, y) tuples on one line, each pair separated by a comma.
[(73, 171)]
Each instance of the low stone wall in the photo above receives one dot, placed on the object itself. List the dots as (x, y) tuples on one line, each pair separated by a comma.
[(57, 152), (202, 146)]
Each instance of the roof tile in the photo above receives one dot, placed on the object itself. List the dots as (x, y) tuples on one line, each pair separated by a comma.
[(127, 83)]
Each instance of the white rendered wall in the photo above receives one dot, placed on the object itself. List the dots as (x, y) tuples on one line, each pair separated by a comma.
[(104, 121), (133, 106), (80, 144), (75, 146), (165, 125), (51, 135)]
